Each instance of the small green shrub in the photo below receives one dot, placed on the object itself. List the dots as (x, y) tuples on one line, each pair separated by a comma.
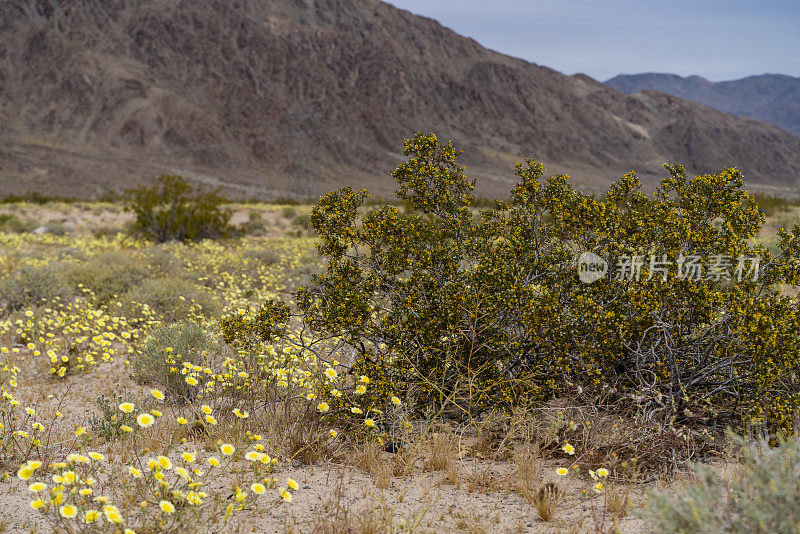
[(255, 224), (31, 286), (107, 274), (770, 204), (111, 196), (759, 498), (302, 221), (173, 210), (12, 223), (34, 198), (108, 424), (107, 232), (166, 348), (56, 228), (173, 299)]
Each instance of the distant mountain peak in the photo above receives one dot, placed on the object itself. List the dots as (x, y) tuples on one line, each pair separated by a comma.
[(772, 98), (699, 79)]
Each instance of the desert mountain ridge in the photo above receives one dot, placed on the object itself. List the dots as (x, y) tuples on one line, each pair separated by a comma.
[(270, 98), (771, 98)]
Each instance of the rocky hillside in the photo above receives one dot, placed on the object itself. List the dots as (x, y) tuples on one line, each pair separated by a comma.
[(772, 98), (296, 97)]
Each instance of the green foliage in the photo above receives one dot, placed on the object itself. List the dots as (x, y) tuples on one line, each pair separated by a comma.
[(489, 310), (161, 262), (301, 221), (31, 286), (12, 223), (166, 348), (269, 322), (56, 228), (255, 224), (108, 424), (759, 498), (34, 197), (172, 210)]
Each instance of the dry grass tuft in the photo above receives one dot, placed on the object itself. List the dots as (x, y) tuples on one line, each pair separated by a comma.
[(618, 502), (545, 501), (527, 471), (373, 460), (440, 454)]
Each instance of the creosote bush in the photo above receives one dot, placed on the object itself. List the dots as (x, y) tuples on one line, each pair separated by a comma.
[(444, 303), (172, 210)]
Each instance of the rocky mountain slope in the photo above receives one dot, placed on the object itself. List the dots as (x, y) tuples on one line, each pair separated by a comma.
[(772, 98), (296, 97)]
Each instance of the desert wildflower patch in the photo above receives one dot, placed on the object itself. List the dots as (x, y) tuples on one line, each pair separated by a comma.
[(212, 462), (166, 386)]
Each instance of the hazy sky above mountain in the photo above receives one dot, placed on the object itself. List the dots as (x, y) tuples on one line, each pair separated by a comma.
[(717, 39)]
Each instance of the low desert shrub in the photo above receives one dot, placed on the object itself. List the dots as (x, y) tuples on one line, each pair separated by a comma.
[(167, 347), (172, 299), (759, 497), (771, 204), (173, 210), (106, 275), (56, 228), (31, 286), (161, 262), (108, 232), (302, 221), (11, 223), (255, 224)]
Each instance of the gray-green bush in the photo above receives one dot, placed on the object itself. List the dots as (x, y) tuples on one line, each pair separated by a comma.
[(762, 497), (179, 342), (173, 299), (31, 286), (106, 274), (12, 223)]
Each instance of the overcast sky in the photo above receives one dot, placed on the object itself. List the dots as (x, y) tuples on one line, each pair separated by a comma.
[(716, 39)]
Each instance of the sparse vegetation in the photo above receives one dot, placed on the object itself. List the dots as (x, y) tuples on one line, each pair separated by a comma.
[(172, 298), (32, 286), (433, 366)]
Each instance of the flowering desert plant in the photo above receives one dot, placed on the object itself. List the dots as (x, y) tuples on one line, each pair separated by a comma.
[(484, 308), (90, 492)]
